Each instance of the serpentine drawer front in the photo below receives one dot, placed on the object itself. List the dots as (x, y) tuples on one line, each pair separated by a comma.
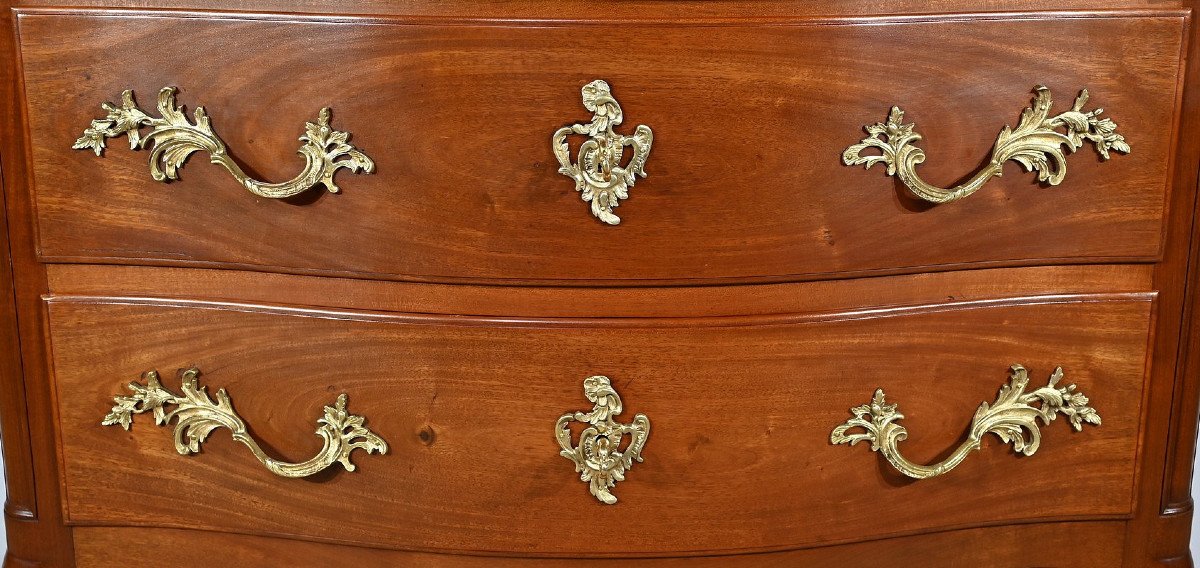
[(637, 283), (461, 125), (469, 408)]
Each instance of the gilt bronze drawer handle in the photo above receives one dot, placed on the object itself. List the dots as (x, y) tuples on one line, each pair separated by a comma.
[(175, 138), (598, 174), (1009, 418), (1036, 143), (197, 416), (597, 457)]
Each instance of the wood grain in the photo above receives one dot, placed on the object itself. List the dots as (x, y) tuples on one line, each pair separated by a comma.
[(33, 523), (395, 71), (739, 457), (973, 547), (745, 179), (612, 12), (577, 302), (1159, 535), (21, 501)]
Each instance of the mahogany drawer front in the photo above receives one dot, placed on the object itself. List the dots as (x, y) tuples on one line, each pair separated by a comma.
[(745, 174), (739, 452)]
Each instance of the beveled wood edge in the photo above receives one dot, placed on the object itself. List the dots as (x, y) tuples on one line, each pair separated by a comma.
[(922, 288), (619, 322), (1175, 508), (1176, 499), (1148, 369), (54, 8), (55, 412), (1159, 533), (1181, 76), (44, 540), (21, 487), (604, 283), (1097, 519)]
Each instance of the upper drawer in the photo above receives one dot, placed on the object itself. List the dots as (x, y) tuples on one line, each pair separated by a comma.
[(746, 181)]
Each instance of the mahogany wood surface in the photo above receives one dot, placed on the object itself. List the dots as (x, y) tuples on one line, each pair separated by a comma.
[(19, 484), (456, 100), (572, 10), (41, 538), (1159, 536), (745, 177), (468, 406), (569, 302), (1058, 547)]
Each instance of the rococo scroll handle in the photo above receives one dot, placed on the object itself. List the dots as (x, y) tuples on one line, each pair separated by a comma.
[(597, 457), (175, 138), (1037, 143), (599, 176), (1012, 418), (197, 416)]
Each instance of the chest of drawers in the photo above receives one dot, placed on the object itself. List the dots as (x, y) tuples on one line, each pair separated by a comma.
[(580, 284)]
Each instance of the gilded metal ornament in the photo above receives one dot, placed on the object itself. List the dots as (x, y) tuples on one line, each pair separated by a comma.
[(174, 138), (1012, 418), (1035, 143), (599, 177), (197, 416), (597, 457)]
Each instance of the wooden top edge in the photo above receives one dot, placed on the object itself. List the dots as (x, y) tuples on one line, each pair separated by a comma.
[(468, 18)]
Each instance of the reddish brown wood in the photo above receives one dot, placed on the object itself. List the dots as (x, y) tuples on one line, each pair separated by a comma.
[(1160, 532), (617, 11), (974, 547), (33, 521), (21, 501), (826, 296), (739, 451), (745, 177), (807, 75)]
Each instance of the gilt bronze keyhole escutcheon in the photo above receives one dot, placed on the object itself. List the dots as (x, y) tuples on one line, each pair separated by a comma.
[(599, 176)]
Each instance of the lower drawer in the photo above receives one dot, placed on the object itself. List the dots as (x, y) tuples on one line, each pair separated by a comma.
[(738, 458)]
